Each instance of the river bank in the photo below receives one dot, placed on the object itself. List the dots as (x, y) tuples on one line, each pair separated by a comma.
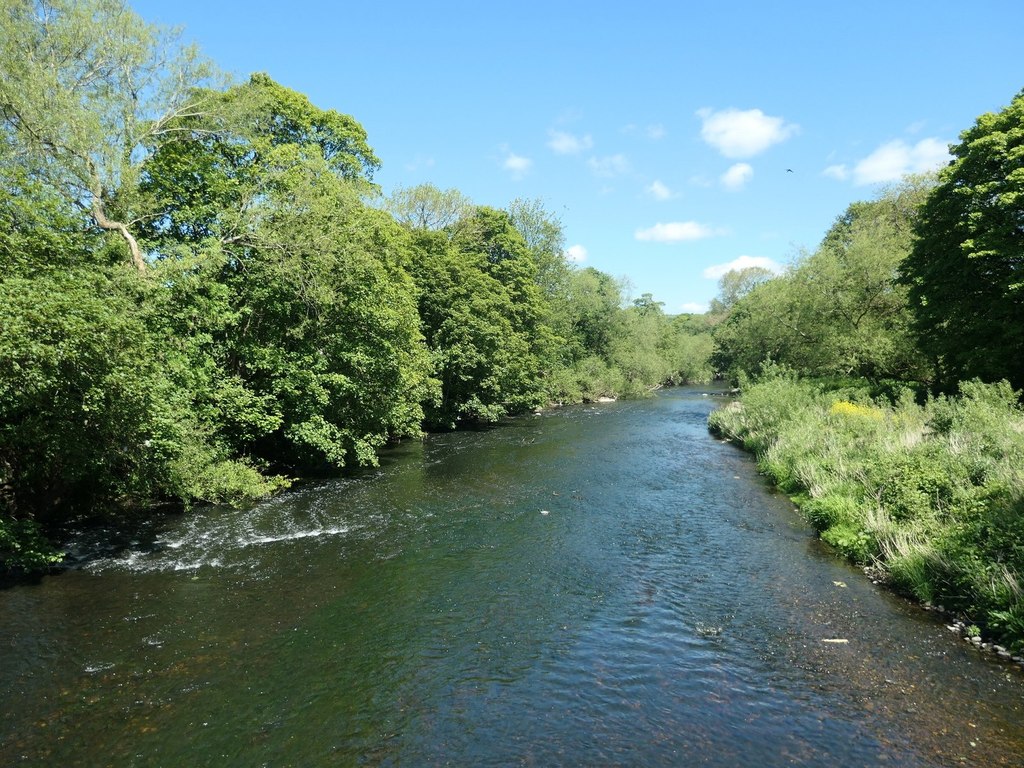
[(927, 497)]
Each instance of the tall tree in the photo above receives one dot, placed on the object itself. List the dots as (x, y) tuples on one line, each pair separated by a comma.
[(542, 232), (213, 178), (428, 207), (482, 316), (966, 268), (293, 289), (735, 284), (85, 85)]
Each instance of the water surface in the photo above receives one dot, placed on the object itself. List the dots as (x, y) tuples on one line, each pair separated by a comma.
[(599, 585)]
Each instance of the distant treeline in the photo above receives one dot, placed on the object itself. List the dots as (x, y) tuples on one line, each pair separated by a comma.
[(204, 294)]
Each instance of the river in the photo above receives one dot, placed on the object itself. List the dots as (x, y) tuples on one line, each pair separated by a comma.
[(598, 585)]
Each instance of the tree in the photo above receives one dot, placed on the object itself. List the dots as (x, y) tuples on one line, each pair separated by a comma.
[(428, 207), (595, 298), (839, 311), (85, 86), (327, 335), (292, 291), (482, 315), (542, 232), (735, 284), (213, 178), (965, 271)]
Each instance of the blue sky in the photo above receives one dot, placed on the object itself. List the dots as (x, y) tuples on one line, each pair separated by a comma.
[(660, 133)]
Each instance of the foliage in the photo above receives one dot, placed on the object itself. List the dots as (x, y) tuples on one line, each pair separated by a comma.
[(309, 311), (839, 311), (928, 495), (427, 207), (964, 271), (91, 417), (735, 284), (481, 315), (86, 84)]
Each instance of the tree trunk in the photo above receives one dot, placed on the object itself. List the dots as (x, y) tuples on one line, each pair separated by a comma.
[(116, 226)]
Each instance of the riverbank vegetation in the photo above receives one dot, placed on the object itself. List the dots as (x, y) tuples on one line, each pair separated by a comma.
[(880, 380), (928, 496), (204, 294)]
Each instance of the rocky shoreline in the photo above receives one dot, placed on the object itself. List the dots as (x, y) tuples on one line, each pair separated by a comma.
[(965, 630)]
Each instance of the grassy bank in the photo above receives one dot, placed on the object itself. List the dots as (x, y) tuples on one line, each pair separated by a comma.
[(929, 497)]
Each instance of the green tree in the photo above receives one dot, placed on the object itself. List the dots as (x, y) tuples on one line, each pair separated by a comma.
[(85, 86), (93, 415), (542, 232), (735, 284), (212, 178), (595, 299), (428, 207), (292, 289), (966, 268), (839, 311), (482, 316)]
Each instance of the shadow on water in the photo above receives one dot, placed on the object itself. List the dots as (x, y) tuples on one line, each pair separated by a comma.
[(597, 585)]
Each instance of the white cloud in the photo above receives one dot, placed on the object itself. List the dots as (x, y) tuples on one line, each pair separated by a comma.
[(737, 133), (517, 165), (675, 232), (612, 165), (737, 176), (576, 253), (715, 271), (418, 162), (895, 159), (839, 172), (655, 132), (693, 308), (563, 143), (659, 191)]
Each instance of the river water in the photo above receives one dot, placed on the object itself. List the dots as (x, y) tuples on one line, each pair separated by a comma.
[(599, 585)]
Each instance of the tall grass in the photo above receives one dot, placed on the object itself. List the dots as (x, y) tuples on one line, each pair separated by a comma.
[(929, 496)]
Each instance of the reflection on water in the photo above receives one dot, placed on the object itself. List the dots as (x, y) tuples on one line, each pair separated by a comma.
[(596, 586)]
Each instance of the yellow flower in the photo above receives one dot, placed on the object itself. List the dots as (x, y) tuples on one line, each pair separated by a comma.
[(855, 411)]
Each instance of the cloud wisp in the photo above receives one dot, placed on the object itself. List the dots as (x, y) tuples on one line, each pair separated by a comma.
[(838, 172), (576, 254), (716, 271), (737, 176), (675, 232), (563, 143), (517, 165), (659, 191), (693, 308), (895, 159), (743, 133), (610, 166)]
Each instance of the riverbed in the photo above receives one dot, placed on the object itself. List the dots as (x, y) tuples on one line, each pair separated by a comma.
[(596, 585)]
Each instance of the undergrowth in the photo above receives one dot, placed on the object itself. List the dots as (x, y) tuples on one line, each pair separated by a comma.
[(930, 496)]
